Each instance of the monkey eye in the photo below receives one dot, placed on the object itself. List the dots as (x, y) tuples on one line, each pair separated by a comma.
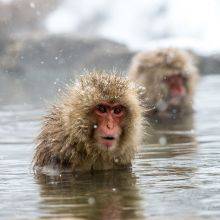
[(118, 110), (101, 108)]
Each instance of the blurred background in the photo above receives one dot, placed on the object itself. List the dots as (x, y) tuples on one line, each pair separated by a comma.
[(44, 44)]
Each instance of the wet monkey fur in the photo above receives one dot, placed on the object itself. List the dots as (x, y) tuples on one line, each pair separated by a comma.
[(97, 125), (169, 77)]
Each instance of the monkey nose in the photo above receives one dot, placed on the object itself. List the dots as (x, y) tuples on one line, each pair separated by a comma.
[(110, 125)]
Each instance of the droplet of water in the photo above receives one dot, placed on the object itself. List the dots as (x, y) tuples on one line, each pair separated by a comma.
[(161, 105), (32, 5), (91, 200), (116, 160), (163, 140), (174, 111)]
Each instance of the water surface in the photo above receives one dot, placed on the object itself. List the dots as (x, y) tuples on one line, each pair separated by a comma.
[(176, 175)]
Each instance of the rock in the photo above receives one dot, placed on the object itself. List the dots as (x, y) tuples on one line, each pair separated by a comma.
[(45, 63), (73, 54)]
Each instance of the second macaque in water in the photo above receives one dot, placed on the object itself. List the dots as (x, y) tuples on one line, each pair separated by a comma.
[(169, 77)]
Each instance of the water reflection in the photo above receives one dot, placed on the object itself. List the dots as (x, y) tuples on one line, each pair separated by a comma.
[(169, 152), (101, 195), (170, 138)]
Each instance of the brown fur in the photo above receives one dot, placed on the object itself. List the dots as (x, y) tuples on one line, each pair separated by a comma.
[(149, 69), (66, 139)]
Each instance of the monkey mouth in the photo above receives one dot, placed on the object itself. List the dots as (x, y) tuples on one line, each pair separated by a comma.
[(109, 138), (108, 141)]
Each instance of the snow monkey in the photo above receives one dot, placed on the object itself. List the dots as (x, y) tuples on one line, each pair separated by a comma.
[(96, 125), (169, 77)]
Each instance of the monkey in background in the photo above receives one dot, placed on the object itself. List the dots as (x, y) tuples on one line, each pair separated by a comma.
[(97, 125), (169, 77)]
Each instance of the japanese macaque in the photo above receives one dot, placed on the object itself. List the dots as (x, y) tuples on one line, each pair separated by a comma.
[(97, 125), (169, 77)]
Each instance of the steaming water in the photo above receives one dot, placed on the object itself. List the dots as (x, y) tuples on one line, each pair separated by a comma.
[(175, 176)]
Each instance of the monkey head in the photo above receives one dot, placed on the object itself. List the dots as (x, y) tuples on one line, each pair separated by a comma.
[(110, 112), (169, 77), (98, 120)]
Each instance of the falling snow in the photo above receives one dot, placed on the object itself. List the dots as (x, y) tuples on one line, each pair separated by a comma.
[(91, 200), (32, 5)]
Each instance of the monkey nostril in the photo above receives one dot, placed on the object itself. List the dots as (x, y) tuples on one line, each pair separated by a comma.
[(110, 126)]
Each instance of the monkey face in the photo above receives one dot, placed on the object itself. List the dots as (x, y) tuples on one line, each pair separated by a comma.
[(176, 89), (108, 129)]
